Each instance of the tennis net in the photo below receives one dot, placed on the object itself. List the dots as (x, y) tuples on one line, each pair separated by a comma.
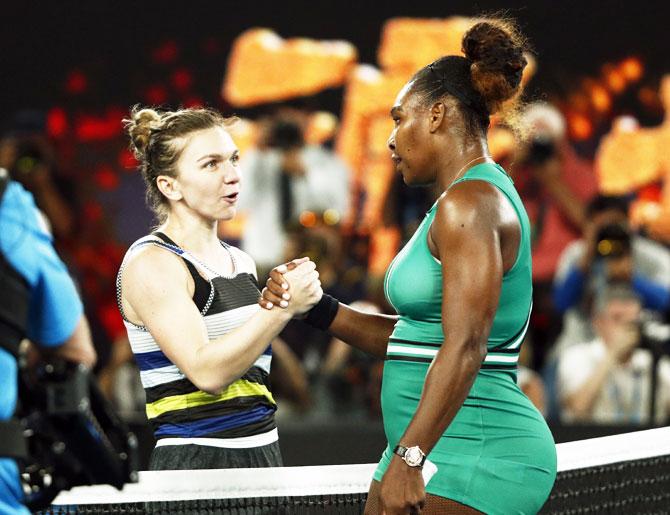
[(627, 473)]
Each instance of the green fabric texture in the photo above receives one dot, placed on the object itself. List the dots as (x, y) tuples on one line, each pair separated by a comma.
[(498, 454)]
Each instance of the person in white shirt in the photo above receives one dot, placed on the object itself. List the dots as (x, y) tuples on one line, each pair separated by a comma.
[(281, 180), (608, 380)]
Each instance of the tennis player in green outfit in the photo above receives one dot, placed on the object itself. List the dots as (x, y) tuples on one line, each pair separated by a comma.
[(462, 290)]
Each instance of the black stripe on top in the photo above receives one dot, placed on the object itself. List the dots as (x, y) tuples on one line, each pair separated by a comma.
[(232, 293), (416, 359), (256, 428), (506, 366), (183, 386), (427, 344)]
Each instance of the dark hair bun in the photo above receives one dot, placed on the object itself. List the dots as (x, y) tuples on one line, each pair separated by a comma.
[(496, 50), (139, 127)]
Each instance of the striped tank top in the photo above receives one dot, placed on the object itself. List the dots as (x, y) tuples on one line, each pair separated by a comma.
[(242, 415)]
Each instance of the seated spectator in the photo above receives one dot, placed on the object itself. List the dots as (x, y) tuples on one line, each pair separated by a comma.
[(607, 380), (608, 252)]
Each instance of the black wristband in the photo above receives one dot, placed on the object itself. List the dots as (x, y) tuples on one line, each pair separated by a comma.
[(323, 313)]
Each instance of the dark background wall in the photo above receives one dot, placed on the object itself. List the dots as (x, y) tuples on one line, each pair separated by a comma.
[(41, 41)]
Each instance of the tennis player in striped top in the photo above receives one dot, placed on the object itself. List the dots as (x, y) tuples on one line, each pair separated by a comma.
[(189, 301)]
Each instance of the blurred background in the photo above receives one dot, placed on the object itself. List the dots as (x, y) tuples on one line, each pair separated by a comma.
[(312, 83)]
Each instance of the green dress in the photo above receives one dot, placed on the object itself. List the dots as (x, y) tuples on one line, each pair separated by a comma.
[(497, 455)]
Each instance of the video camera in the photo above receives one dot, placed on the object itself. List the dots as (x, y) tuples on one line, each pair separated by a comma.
[(73, 436)]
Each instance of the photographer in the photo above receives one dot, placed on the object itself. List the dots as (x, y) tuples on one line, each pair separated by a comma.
[(282, 178), (555, 185), (38, 302), (607, 379), (608, 253), (29, 158)]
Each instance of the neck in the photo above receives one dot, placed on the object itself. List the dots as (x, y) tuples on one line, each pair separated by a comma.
[(190, 231), (468, 154)]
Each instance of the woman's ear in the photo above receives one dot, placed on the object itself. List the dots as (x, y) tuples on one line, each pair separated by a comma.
[(169, 186), (438, 112)]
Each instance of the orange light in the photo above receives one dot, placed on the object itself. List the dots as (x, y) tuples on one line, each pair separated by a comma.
[(600, 99), (307, 219), (580, 126), (632, 69), (615, 80)]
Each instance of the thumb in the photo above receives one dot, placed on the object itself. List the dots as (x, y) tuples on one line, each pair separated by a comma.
[(297, 261)]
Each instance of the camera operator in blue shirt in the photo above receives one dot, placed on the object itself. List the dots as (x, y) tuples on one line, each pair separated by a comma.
[(39, 302)]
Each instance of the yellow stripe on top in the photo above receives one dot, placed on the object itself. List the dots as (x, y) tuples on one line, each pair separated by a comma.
[(240, 388)]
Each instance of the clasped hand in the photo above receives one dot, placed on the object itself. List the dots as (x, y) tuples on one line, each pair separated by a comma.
[(294, 286)]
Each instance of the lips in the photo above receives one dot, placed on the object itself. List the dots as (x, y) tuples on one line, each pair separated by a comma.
[(232, 198), (396, 159)]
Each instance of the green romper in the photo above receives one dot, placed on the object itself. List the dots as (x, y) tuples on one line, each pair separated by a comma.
[(497, 455)]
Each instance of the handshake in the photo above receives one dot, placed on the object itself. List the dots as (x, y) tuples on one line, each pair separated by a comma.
[(294, 286)]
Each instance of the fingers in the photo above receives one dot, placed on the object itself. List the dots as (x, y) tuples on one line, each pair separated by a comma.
[(277, 277), (291, 265), (268, 300)]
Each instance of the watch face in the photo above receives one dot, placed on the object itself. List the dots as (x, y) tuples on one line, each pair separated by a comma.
[(413, 456)]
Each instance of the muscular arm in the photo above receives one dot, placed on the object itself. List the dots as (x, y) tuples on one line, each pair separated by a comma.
[(367, 331), (467, 239), (156, 286)]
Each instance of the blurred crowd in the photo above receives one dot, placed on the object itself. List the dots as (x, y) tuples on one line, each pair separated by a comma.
[(597, 349)]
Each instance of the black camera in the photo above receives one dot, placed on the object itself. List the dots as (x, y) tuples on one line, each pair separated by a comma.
[(541, 150), (285, 135), (613, 241), (28, 156)]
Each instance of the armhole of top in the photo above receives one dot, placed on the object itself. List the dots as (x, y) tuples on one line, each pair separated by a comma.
[(203, 289), (516, 210)]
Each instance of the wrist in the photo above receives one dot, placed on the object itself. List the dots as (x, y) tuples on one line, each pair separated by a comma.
[(323, 313), (413, 456)]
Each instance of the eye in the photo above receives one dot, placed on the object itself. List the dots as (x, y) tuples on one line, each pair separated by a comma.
[(210, 164), (235, 158)]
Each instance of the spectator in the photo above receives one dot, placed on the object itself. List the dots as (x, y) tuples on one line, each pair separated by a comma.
[(282, 179), (607, 253), (607, 380), (38, 301), (554, 184)]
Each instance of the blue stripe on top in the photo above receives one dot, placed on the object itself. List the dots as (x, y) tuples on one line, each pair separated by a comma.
[(208, 426), (156, 359), (152, 360)]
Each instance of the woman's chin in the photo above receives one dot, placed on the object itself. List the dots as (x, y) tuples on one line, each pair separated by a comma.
[(226, 214)]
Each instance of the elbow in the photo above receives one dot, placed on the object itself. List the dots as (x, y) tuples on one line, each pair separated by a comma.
[(210, 382), (475, 352)]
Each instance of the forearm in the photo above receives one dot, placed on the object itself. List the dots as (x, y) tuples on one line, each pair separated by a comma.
[(581, 401), (78, 347), (447, 385), (225, 359), (366, 331)]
